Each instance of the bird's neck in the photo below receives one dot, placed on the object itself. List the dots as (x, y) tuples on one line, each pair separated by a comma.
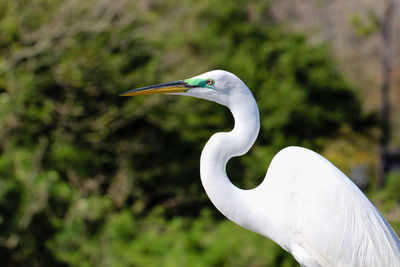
[(227, 198)]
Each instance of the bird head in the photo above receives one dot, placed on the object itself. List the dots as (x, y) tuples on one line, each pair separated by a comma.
[(218, 86)]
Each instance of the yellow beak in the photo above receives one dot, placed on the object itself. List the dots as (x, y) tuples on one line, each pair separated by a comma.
[(164, 88)]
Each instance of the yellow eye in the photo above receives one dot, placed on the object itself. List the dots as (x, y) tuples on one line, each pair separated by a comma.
[(210, 82)]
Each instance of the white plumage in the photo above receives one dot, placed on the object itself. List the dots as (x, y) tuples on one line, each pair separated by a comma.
[(305, 204)]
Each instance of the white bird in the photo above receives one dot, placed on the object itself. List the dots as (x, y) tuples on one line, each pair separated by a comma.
[(304, 204)]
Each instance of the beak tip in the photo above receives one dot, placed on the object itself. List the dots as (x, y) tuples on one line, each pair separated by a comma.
[(125, 93)]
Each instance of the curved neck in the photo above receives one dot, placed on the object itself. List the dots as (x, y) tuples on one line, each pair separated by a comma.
[(227, 198)]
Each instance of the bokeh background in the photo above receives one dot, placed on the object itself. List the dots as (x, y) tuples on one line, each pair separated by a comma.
[(88, 178)]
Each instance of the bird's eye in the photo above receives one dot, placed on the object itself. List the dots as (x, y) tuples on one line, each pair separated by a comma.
[(210, 82)]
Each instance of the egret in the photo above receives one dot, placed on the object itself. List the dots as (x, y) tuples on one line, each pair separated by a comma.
[(304, 204)]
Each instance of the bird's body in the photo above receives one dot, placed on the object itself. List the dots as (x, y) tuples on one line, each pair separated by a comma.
[(305, 204), (319, 224)]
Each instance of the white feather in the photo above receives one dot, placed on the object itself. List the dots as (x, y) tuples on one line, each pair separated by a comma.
[(305, 204)]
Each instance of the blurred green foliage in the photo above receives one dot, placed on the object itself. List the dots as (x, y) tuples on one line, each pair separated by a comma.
[(154, 241), (88, 178), (365, 24)]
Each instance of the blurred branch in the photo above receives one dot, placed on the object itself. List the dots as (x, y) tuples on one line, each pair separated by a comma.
[(100, 17), (386, 26)]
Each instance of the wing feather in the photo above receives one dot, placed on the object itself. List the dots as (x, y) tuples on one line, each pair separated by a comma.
[(323, 214)]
